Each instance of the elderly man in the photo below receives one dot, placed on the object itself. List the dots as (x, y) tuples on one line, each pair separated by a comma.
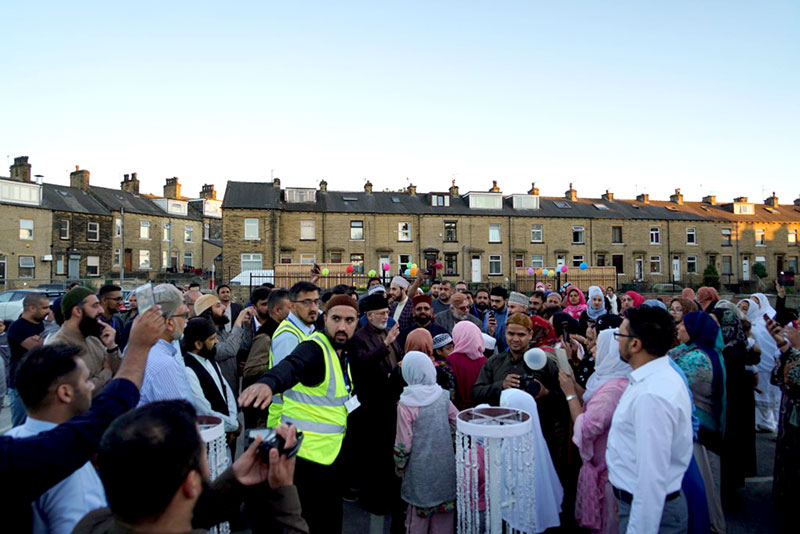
[(517, 303), (189, 298), (84, 329), (459, 311), (400, 294), (553, 299)]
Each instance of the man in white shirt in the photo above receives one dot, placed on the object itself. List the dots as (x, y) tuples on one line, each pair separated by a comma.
[(650, 441), (304, 298)]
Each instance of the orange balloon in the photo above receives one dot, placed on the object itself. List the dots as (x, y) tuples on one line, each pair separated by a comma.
[(539, 271)]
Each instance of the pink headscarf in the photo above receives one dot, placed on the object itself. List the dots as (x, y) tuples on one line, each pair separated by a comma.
[(638, 300), (576, 310), (688, 293), (468, 340), (705, 296)]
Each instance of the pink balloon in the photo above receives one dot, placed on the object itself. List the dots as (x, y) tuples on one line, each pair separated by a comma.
[(386, 266), (563, 268)]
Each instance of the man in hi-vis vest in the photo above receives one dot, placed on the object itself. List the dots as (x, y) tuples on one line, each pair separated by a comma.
[(317, 396)]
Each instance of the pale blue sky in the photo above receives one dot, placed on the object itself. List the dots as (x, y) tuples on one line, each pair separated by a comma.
[(631, 96)]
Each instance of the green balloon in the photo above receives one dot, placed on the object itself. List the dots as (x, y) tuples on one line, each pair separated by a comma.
[(371, 273)]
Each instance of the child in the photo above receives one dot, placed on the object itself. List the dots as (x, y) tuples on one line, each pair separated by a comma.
[(442, 347), (423, 450)]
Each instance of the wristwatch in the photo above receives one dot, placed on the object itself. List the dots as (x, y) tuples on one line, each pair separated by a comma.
[(570, 397)]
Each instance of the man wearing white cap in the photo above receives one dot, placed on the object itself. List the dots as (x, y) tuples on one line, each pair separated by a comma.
[(401, 306), (517, 303)]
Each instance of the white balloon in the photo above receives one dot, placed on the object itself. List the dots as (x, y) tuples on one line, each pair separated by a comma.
[(535, 359)]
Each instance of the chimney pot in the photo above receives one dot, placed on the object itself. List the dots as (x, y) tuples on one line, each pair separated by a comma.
[(172, 189), (454, 189), (740, 199), (710, 199), (608, 196), (323, 186), (533, 190), (21, 170), (772, 201), (677, 198), (412, 190), (571, 194), (79, 179), (276, 182), (368, 187), (494, 188), (644, 197)]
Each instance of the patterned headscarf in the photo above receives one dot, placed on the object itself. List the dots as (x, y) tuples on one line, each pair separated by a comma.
[(544, 335)]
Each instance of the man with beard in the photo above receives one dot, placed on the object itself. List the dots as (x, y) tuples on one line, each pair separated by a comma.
[(494, 322), (54, 384), (401, 305), (96, 340), (165, 374), (232, 309), (154, 468), (25, 333), (316, 386), (230, 341), (459, 311), (481, 303), (422, 313), (434, 291), (110, 297), (211, 394), (536, 302), (442, 304)]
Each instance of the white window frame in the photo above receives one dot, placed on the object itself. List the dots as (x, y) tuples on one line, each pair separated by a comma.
[(188, 255), (404, 231), (496, 228), (96, 232), (561, 260), (537, 233), (248, 261), (285, 258), (251, 229), (537, 260), (655, 260), (117, 227), (188, 234), (60, 267), (455, 231), (92, 262), (144, 254), (117, 258), (206, 231), (691, 236), (144, 230), (519, 261), (166, 231), (356, 225), (165, 259), (404, 259), (440, 201), (308, 259), (727, 237), (62, 234), (454, 256), (791, 238), (28, 265), (655, 235), (577, 259), (763, 241), (691, 264), (582, 230), (308, 230), (24, 229), (495, 264)]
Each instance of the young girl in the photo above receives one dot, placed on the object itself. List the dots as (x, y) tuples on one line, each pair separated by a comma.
[(423, 450)]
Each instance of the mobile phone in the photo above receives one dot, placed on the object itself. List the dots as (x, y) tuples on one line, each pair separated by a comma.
[(565, 331), (144, 297)]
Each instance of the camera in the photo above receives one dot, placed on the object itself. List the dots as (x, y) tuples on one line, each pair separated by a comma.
[(528, 384), (270, 439)]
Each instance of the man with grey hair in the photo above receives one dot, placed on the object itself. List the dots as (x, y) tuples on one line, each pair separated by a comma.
[(165, 374), (189, 298)]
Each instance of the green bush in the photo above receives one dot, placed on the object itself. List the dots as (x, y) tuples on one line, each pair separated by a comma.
[(760, 270), (711, 277)]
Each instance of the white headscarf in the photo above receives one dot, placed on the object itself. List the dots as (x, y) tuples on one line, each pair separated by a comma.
[(591, 311), (763, 303), (547, 488), (420, 375), (728, 305), (607, 363), (769, 349)]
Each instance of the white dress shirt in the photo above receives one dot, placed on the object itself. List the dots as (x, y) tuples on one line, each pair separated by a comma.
[(650, 441), (202, 404), (398, 311), (284, 343)]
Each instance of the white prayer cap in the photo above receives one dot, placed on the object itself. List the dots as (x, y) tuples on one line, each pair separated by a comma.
[(518, 298), (489, 342), (399, 281)]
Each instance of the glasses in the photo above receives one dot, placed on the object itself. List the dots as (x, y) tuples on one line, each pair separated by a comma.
[(185, 315), (308, 302), (617, 335)]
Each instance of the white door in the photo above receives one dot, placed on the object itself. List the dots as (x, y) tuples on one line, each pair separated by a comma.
[(476, 269), (73, 270), (676, 268), (638, 268), (745, 268)]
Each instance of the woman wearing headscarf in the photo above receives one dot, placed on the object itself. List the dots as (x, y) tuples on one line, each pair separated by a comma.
[(630, 299), (466, 361), (595, 504), (768, 396), (582, 363), (739, 450), (423, 453), (547, 488), (594, 309), (706, 297), (543, 334), (699, 357), (576, 302)]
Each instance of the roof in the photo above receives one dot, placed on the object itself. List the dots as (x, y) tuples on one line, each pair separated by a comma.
[(115, 200), (251, 195), (72, 199)]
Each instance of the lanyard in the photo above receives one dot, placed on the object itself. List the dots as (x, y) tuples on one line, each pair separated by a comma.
[(346, 374)]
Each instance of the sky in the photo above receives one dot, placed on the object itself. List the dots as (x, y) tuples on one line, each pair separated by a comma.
[(635, 97)]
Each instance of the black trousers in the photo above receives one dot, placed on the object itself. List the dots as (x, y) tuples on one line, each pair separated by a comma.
[(320, 490)]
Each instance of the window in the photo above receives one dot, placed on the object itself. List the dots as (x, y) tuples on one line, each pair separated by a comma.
[(525, 202), (93, 231), (494, 233), (560, 204), (336, 257), (726, 237), (762, 260), (577, 260), (793, 264), (118, 227), (117, 256), (206, 231), (519, 261), (761, 238), (537, 260), (577, 235), (357, 231), (26, 267), (561, 260), (450, 234), (727, 265), (308, 231), (404, 231), (144, 229), (92, 265), (165, 231), (188, 234), (286, 258), (60, 264), (483, 201), (617, 260), (188, 259), (440, 200), (450, 263), (743, 209), (691, 264), (792, 237), (309, 259), (63, 230), (251, 262), (691, 236), (404, 260), (251, 229), (301, 195), (165, 259), (616, 234), (601, 260), (144, 259), (655, 264), (537, 233), (21, 193), (357, 261), (495, 265), (655, 235), (26, 229)]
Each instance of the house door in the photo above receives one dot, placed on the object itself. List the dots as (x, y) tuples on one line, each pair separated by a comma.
[(745, 268), (128, 261), (676, 268), (476, 269), (638, 268), (74, 269)]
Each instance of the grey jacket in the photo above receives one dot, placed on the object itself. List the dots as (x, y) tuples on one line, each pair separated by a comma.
[(448, 322)]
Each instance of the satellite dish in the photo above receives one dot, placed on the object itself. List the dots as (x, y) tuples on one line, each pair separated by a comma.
[(535, 359)]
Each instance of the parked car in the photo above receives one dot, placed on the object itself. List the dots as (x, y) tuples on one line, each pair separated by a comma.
[(126, 300), (673, 287), (11, 301)]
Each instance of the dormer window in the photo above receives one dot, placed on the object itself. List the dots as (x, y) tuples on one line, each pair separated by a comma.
[(525, 202), (440, 201), (301, 195), (743, 209), (485, 201)]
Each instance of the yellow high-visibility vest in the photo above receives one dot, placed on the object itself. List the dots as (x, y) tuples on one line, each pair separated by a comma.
[(274, 417)]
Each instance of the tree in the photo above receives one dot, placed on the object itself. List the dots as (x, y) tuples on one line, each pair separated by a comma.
[(760, 270), (711, 276)]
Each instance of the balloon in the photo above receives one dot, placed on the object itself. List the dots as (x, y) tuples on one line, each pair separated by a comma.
[(539, 271), (407, 272), (371, 273), (530, 270), (438, 266), (325, 271), (414, 266), (583, 266), (413, 271), (544, 272), (386, 266), (349, 269), (551, 274), (564, 268)]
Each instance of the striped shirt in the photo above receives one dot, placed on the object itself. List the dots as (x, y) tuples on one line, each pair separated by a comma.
[(165, 375)]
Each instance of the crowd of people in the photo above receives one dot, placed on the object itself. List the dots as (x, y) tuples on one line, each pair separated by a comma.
[(645, 411)]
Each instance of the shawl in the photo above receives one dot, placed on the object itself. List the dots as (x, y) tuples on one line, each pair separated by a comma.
[(575, 310), (707, 295), (467, 340), (419, 340), (420, 375), (607, 364), (731, 326), (638, 300), (544, 335), (591, 311), (705, 334)]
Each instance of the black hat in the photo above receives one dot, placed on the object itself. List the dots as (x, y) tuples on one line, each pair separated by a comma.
[(197, 329), (499, 291), (376, 301), (607, 320)]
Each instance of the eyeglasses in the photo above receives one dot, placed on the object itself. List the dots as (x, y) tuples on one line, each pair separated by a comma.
[(617, 335), (308, 302), (185, 315)]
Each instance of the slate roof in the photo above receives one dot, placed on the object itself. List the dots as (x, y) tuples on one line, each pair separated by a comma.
[(72, 199), (115, 199), (262, 195)]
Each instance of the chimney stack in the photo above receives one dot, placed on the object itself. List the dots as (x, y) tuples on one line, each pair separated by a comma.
[(644, 197), (454, 189), (772, 201), (533, 190), (608, 196), (172, 189), (79, 178), (677, 198), (21, 169), (130, 184), (276, 182), (797, 202), (571, 193), (494, 188), (742, 200), (412, 190), (368, 187), (208, 192), (323, 186), (710, 199)]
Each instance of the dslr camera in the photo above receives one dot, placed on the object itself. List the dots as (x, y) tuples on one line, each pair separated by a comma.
[(270, 439), (528, 384)]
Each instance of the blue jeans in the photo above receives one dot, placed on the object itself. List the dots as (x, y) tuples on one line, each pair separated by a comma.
[(674, 517), (17, 408)]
